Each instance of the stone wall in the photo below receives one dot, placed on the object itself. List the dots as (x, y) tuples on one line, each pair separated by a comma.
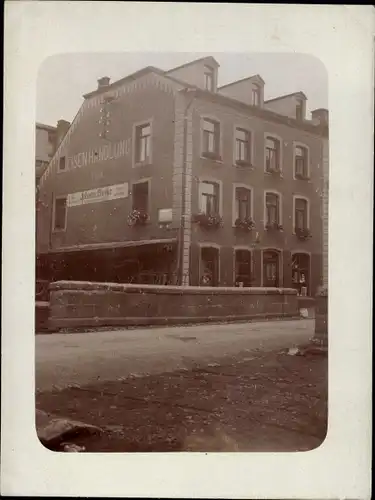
[(83, 304)]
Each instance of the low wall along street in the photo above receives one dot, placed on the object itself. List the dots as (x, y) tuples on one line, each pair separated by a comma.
[(85, 304)]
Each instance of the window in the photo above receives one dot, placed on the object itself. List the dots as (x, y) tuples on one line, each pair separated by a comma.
[(208, 78), (210, 261), (272, 155), (209, 198), (300, 210), (243, 203), (62, 163), (299, 110), (300, 166), (255, 95), (141, 196), (143, 143), (242, 145), (272, 209), (59, 222), (243, 268), (211, 137), (271, 269)]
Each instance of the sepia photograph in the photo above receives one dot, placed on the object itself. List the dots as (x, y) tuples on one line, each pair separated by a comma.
[(183, 183), (181, 252)]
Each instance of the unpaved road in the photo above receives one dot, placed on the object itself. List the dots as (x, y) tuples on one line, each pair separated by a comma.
[(86, 358)]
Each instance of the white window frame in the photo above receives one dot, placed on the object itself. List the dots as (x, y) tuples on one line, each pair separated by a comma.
[(281, 264), (257, 89), (141, 181), (211, 180), (270, 135), (300, 197), (251, 133), (297, 144), (211, 118), (209, 70), (272, 191), (54, 228), (207, 244), (61, 170), (245, 186), (136, 126), (247, 248)]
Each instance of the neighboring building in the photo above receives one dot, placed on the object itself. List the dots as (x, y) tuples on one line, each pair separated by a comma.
[(162, 175), (47, 138)]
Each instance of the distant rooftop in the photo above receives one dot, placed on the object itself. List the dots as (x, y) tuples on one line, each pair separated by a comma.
[(301, 94)]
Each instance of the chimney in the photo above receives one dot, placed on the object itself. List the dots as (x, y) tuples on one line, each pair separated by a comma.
[(61, 130), (320, 116), (103, 82)]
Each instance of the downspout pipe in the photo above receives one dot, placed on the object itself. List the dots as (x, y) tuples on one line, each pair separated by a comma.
[(184, 176)]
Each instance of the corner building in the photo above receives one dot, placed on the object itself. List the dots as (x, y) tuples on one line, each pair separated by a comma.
[(165, 178)]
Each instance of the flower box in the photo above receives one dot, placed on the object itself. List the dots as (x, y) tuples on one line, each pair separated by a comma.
[(138, 218), (244, 164), (247, 224), (275, 172), (275, 226), (303, 234), (301, 177), (208, 221), (211, 156)]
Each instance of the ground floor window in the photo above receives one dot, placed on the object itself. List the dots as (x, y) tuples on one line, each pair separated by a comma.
[(243, 268), (209, 268), (271, 268), (301, 273)]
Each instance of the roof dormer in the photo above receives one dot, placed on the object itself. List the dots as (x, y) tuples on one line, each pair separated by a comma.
[(248, 90), (291, 105), (201, 73)]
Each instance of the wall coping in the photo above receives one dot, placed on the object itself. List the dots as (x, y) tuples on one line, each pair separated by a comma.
[(163, 290)]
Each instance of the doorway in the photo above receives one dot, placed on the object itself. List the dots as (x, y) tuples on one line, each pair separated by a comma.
[(271, 268)]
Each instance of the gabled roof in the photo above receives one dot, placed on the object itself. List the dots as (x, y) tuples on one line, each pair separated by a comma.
[(207, 59), (299, 94), (253, 77)]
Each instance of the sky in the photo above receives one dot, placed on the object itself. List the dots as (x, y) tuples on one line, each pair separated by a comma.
[(64, 78)]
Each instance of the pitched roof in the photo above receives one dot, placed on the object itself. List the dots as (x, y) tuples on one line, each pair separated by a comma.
[(258, 77), (207, 59), (300, 93), (45, 127)]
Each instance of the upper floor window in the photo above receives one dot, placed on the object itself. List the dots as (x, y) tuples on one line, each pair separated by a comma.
[(211, 138), (243, 146), (208, 78), (143, 143), (300, 209), (272, 209), (209, 198), (60, 213), (62, 163), (140, 196), (243, 203), (272, 155), (299, 110), (255, 100), (300, 162)]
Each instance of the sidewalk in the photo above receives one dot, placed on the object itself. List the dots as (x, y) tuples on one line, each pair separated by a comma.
[(265, 401), (86, 358)]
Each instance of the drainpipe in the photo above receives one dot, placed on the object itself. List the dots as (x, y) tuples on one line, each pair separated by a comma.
[(183, 197)]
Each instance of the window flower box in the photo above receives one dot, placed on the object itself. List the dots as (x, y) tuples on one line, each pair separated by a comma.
[(246, 224), (275, 226), (301, 177), (275, 172), (208, 221), (244, 164), (303, 233), (211, 156), (138, 218)]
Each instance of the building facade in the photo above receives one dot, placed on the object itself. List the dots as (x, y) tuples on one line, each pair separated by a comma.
[(165, 177), (47, 138)]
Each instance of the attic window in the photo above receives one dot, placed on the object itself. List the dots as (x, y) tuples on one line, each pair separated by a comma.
[(208, 78), (256, 95), (299, 110)]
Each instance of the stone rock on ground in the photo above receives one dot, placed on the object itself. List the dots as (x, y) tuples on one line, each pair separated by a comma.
[(52, 430)]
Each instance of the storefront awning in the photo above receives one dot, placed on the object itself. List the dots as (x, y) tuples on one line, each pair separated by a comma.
[(111, 245)]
